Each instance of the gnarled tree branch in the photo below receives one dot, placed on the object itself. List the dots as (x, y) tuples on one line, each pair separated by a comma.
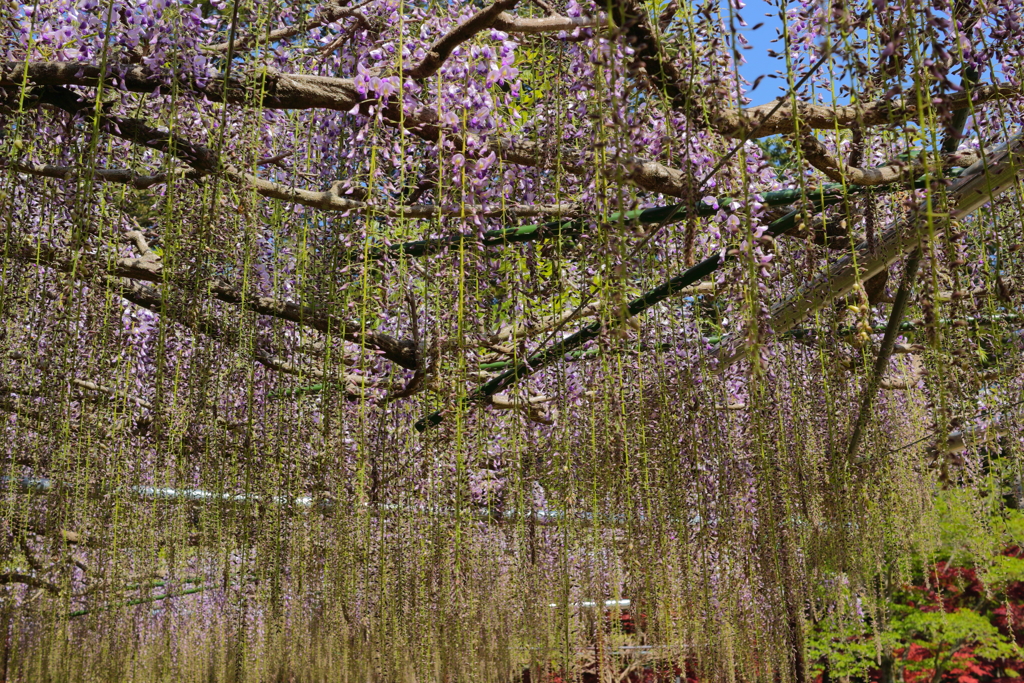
[(272, 89), (203, 160), (649, 56), (113, 175), (818, 157), (736, 123), (549, 24), (978, 185), (755, 122), (28, 580), (440, 50), (149, 269)]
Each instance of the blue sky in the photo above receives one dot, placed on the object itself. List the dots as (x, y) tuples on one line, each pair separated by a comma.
[(758, 61)]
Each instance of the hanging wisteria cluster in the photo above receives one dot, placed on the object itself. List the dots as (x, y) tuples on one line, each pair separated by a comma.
[(404, 341)]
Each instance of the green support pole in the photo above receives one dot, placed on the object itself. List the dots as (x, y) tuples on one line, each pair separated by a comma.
[(573, 228), (589, 332)]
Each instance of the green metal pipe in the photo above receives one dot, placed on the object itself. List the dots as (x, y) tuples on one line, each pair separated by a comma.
[(590, 332), (822, 197), (138, 601), (573, 228)]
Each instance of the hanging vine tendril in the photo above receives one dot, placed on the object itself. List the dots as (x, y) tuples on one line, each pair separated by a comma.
[(681, 416)]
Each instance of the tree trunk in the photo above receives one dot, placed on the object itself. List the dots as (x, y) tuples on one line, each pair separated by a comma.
[(888, 671)]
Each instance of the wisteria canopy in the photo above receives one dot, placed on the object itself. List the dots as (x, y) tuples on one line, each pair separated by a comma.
[(396, 341)]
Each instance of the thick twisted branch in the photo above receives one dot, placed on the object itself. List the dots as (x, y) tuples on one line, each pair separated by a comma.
[(755, 122), (442, 49), (123, 176), (149, 269), (736, 123), (325, 201), (203, 160), (30, 581), (549, 24), (272, 89), (818, 157), (976, 187)]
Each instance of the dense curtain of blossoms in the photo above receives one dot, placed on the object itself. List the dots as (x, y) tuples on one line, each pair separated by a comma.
[(394, 341)]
